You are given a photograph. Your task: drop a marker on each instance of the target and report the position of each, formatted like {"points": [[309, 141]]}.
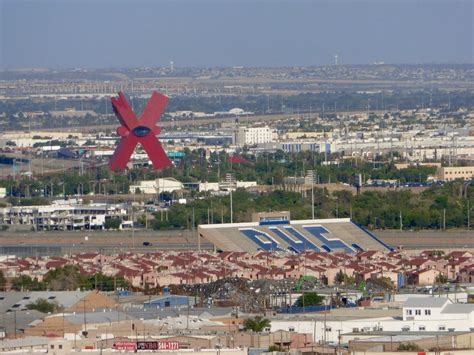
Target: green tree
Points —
{"points": [[408, 347], [274, 347], [3, 282], [43, 306], [102, 282], [66, 278], [383, 282], [441, 279], [256, 324], [343, 278], [309, 299], [112, 223], [26, 283]]}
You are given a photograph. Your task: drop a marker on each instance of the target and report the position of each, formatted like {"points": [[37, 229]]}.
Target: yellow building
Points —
{"points": [[453, 173]]}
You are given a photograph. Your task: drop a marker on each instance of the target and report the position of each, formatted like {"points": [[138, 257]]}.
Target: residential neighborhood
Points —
{"points": [[158, 269]]}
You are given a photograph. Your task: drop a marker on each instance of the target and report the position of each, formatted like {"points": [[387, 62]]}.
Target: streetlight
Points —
{"points": [[218, 346]]}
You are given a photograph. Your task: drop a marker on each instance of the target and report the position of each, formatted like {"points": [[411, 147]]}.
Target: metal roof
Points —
{"points": [[458, 308], [23, 342], [19, 300], [425, 302]]}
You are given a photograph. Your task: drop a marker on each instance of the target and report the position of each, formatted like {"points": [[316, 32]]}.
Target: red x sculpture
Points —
{"points": [[141, 131]]}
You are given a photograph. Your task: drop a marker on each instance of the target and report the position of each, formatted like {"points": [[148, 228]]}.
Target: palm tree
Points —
{"points": [[256, 324]]}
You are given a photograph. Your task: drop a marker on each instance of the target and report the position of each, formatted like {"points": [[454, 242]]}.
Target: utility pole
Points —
{"points": [[444, 219], [14, 321], [312, 197], [468, 215], [192, 231], [85, 321], [325, 318], [401, 221], [231, 208], [187, 315], [133, 228]]}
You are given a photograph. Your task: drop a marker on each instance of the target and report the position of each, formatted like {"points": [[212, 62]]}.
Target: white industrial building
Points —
{"points": [[423, 314], [414, 145], [64, 215], [156, 186], [253, 135]]}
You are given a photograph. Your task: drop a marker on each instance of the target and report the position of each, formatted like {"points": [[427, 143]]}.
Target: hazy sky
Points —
{"points": [[116, 33]]}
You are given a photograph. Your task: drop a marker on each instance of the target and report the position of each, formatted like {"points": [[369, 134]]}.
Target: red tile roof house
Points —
{"points": [[466, 275], [132, 276], [185, 278], [423, 277], [147, 268], [167, 279], [460, 254], [392, 275], [89, 257], [369, 255], [453, 267], [56, 263], [316, 271], [272, 274], [419, 263], [333, 270], [151, 278]]}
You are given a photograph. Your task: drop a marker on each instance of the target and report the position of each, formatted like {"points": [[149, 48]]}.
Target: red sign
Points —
{"points": [[125, 345], [158, 345], [143, 131]]}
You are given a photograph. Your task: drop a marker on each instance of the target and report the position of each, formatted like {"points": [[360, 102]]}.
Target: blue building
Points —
{"points": [[170, 301]]}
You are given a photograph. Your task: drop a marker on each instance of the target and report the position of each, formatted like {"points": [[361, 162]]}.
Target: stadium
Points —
{"points": [[275, 231]]}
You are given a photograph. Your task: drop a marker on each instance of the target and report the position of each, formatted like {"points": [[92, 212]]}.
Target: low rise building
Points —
{"points": [[64, 215], [253, 135], [156, 186], [423, 314], [455, 172]]}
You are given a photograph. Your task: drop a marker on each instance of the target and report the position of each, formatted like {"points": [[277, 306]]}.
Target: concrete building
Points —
{"points": [[157, 186], [455, 173], [72, 112], [253, 135], [424, 314], [316, 146], [208, 186], [166, 301], [64, 215]]}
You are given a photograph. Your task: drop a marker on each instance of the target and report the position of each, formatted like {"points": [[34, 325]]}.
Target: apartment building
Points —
{"points": [[253, 135], [64, 215]]}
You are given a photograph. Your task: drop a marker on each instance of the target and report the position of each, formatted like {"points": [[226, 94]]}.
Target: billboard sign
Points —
{"points": [[158, 345], [125, 345]]}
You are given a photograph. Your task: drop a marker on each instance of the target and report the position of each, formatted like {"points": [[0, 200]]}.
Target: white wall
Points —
{"points": [[387, 324]]}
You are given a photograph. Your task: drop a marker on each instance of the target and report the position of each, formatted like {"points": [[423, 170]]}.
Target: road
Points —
{"points": [[429, 239], [58, 242]]}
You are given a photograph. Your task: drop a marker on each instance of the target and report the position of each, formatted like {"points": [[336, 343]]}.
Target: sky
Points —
{"points": [[204, 33]]}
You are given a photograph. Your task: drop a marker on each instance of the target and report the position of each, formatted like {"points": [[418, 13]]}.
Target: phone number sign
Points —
{"points": [[158, 345]]}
